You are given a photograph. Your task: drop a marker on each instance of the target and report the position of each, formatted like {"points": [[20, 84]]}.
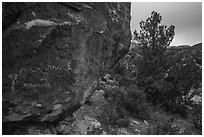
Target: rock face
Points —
{"points": [[53, 53]]}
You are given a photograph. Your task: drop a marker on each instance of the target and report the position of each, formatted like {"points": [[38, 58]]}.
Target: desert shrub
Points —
{"points": [[136, 104], [129, 102], [172, 88], [160, 124], [110, 115], [167, 97], [116, 98]]}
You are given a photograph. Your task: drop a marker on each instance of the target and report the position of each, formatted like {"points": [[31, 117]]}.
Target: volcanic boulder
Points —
{"points": [[54, 52]]}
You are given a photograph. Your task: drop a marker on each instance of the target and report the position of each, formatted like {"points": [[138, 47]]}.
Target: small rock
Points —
{"points": [[146, 122], [135, 122]]}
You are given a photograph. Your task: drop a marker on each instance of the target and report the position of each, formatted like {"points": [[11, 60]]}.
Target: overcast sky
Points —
{"points": [[185, 16]]}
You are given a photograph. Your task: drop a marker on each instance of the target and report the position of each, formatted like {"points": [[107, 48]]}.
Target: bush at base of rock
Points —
{"points": [[128, 102], [136, 104], [161, 124], [110, 115]]}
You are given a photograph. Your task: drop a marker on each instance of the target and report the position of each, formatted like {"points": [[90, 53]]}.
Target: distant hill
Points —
{"points": [[198, 46], [194, 51], [182, 47], [184, 51]]}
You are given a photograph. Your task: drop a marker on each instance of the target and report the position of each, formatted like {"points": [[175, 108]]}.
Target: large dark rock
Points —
{"points": [[53, 52]]}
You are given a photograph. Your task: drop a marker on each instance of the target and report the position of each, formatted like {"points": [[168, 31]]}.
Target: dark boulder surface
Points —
{"points": [[53, 55]]}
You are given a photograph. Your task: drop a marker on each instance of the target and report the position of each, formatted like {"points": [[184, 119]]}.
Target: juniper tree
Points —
{"points": [[154, 39]]}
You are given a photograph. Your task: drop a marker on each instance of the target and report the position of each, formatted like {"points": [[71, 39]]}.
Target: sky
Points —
{"points": [[185, 16]]}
